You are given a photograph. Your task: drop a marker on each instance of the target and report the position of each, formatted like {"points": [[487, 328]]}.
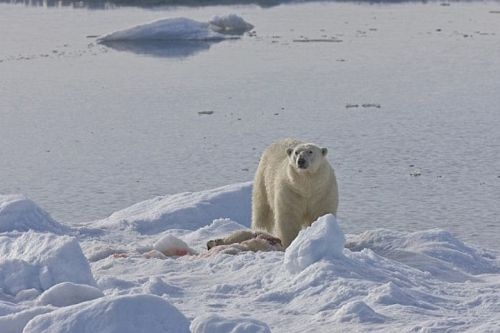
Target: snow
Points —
{"points": [[15, 322], [184, 210], [123, 314], [376, 281], [32, 260], [358, 312], [217, 324], [172, 246], [67, 293], [182, 29], [322, 240], [20, 213], [435, 251]]}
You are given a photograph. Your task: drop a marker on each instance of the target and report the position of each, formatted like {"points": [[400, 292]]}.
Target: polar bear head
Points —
{"points": [[306, 157]]}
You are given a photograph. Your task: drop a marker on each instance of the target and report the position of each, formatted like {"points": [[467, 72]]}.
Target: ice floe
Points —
{"points": [[375, 281], [182, 29]]}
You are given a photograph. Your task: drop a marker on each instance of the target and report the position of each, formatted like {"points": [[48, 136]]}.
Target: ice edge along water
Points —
{"points": [[61, 279]]}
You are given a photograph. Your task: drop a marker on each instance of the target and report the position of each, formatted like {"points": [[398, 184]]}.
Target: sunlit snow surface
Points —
{"points": [[376, 281]]}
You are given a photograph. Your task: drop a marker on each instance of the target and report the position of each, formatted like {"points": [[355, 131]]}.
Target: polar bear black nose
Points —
{"points": [[301, 162]]}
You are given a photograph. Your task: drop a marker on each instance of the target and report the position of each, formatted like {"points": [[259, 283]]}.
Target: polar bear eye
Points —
{"points": [[296, 152], [310, 152]]}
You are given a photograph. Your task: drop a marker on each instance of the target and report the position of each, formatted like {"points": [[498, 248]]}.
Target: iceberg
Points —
{"points": [[182, 29]]}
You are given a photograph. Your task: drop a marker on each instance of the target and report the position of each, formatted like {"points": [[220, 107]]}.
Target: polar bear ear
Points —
{"points": [[324, 151], [289, 151]]}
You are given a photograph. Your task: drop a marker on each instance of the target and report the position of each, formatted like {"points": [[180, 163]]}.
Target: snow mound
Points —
{"points": [[122, 314], [39, 261], [188, 211], [18, 213], [15, 322], [217, 324], [322, 240], [358, 312], [434, 251], [96, 252], [172, 246], [391, 294], [182, 29], [157, 286], [67, 293], [219, 228], [27, 295]]}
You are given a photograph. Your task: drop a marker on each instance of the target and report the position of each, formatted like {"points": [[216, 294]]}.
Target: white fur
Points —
{"points": [[287, 198]]}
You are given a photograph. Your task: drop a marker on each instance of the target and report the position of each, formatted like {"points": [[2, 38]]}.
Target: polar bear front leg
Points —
{"points": [[262, 217], [288, 218], [287, 233]]}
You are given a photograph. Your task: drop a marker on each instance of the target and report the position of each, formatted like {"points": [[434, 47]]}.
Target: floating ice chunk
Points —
{"points": [[182, 29], [322, 240], [122, 314], [217, 324], [18, 213], [173, 29], [41, 260], [230, 24], [67, 293]]}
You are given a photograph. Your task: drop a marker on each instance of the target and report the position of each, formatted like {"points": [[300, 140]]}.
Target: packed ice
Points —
{"points": [[100, 276]]}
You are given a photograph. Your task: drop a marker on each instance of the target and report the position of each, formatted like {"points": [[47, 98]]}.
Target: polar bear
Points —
{"points": [[294, 185]]}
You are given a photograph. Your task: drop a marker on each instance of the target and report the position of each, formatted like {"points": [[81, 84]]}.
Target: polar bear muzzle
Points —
{"points": [[302, 163]]}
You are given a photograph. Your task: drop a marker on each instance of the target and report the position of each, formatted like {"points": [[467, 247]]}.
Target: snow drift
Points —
{"points": [[184, 210], [67, 293], [217, 324], [18, 213], [39, 261], [322, 240], [123, 314]]}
